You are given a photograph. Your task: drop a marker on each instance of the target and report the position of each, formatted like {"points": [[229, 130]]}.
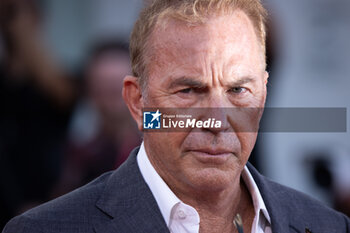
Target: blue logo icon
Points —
{"points": [[151, 120]]}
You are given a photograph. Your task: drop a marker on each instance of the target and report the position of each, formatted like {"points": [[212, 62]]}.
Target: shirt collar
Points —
{"points": [[258, 202], [166, 199]]}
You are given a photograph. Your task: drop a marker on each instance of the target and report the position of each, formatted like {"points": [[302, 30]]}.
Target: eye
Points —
{"points": [[186, 90], [193, 90], [238, 90]]}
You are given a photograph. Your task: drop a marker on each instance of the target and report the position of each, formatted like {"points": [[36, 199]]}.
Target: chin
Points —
{"points": [[212, 179]]}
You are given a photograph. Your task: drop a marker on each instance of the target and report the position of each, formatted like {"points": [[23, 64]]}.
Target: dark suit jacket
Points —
{"points": [[120, 201]]}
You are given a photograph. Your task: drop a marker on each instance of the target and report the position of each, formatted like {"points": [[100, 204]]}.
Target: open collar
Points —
{"points": [[167, 200], [279, 205]]}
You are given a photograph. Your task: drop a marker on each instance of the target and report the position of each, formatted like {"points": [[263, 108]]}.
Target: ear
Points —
{"points": [[265, 80], [266, 77], [132, 95]]}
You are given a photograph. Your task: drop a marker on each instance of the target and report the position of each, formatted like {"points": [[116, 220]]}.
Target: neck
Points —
{"points": [[218, 209], [216, 202]]}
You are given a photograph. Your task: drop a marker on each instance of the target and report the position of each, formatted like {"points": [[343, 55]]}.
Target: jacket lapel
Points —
{"points": [[127, 204], [276, 204]]}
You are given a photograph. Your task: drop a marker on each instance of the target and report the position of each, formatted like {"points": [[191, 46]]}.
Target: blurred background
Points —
{"points": [[63, 121]]}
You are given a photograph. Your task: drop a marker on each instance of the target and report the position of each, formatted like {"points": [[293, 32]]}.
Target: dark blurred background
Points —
{"points": [[63, 121]]}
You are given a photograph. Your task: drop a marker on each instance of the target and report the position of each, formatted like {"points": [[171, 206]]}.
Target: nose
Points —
{"points": [[216, 106]]}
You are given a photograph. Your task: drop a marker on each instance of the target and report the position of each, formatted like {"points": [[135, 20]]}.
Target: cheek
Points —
{"points": [[258, 100], [244, 120], [247, 141], [166, 146]]}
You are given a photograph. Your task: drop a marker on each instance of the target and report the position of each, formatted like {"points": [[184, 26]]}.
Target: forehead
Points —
{"points": [[227, 37]]}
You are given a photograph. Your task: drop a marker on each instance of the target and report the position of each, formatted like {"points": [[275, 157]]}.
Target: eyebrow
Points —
{"points": [[241, 81], [188, 82], [191, 82]]}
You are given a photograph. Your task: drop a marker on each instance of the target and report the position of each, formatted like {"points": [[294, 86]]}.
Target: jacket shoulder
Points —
{"points": [[23, 224], [75, 207], [314, 214], [289, 206]]}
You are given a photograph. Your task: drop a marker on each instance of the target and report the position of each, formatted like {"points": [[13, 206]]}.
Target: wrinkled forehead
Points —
{"points": [[214, 23], [218, 34]]}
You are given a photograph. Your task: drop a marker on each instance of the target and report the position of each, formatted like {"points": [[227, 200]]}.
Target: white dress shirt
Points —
{"points": [[183, 218]]}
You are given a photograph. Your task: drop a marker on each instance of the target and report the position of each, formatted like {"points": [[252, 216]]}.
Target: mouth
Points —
{"points": [[212, 156]]}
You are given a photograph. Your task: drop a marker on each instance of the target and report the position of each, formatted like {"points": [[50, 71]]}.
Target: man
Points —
{"points": [[190, 54]]}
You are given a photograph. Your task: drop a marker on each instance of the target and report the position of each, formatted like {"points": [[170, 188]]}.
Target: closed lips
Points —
{"points": [[212, 152]]}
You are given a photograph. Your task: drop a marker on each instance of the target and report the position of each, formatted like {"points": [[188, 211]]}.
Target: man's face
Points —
{"points": [[219, 64]]}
